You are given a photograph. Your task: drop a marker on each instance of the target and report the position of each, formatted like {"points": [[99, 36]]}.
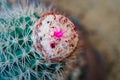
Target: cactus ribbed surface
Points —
{"points": [[19, 60]]}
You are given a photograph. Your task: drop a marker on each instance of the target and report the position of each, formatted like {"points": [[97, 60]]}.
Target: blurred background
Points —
{"points": [[101, 18]]}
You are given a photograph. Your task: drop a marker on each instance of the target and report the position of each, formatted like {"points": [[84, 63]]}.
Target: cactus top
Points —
{"points": [[54, 36]]}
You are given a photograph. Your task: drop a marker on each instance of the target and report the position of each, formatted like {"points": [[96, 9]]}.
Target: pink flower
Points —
{"points": [[58, 33]]}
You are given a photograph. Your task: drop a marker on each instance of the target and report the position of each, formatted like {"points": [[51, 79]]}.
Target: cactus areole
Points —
{"points": [[54, 36]]}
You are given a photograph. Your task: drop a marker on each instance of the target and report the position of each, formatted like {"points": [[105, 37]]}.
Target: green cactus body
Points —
{"points": [[0, 4], [18, 58]]}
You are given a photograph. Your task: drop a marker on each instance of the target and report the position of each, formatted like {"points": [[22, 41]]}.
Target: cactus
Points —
{"points": [[19, 58], [0, 4]]}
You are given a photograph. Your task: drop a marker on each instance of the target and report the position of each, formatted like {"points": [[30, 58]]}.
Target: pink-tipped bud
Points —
{"points": [[55, 37]]}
